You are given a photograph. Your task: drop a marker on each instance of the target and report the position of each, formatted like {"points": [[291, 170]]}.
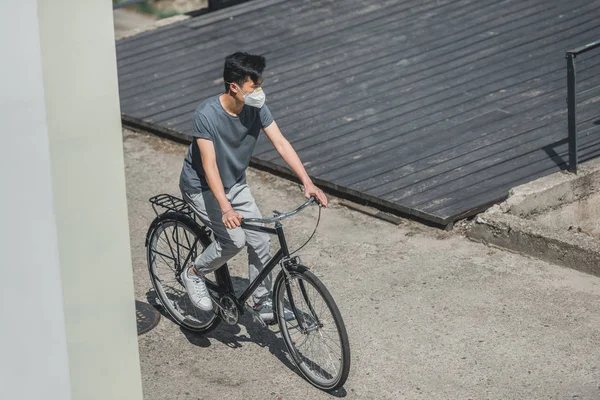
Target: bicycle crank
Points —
{"points": [[229, 311]]}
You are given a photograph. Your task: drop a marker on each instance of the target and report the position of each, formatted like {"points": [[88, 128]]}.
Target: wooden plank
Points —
{"points": [[591, 150], [168, 114], [373, 212], [368, 165], [300, 27], [419, 91], [364, 140], [392, 17], [143, 44], [279, 66], [190, 41], [354, 195], [391, 110], [195, 75], [417, 64], [424, 160], [332, 130], [484, 190], [173, 109], [479, 165], [593, 92], [377, 164], [333, 90], [544, 158], [438, 165], [525, 166], [468, 157]]}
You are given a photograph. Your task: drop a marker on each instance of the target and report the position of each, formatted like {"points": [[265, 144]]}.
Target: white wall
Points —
{"points": [[67, 317], [33, 346]]}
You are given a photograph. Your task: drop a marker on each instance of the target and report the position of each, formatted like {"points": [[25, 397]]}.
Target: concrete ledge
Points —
{"points": [[159, 23], [553, 191], [527, 221], [570, 249]]}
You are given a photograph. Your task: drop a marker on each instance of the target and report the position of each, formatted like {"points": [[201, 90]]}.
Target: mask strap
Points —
{"points": [[238, 87]]}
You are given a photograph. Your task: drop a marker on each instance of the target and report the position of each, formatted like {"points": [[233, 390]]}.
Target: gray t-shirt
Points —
{"points": [[234, 139]]}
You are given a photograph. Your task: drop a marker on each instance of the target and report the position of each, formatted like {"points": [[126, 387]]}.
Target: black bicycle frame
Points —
{"points": [[224, 277]]}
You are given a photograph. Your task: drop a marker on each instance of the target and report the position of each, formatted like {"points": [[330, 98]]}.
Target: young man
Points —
{"points": [[213, 178]]}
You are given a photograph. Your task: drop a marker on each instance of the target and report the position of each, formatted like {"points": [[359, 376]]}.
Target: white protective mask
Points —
{"points": [[256, 98]]}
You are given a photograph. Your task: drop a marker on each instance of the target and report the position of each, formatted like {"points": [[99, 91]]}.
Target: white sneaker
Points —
{"points": [[196, 289]]}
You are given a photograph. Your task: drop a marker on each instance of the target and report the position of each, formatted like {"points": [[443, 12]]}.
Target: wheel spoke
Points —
{"points": [[319, 352], [162, 257], [172, 244]]}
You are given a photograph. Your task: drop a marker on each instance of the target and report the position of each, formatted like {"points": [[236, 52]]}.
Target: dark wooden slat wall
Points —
{"points": [[434, 108]]}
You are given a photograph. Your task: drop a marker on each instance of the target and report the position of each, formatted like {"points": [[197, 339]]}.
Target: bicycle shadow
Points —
{"points": [[232, 336]]}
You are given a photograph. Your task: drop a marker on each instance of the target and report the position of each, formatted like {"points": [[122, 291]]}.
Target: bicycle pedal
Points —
{"points": [[157, 303], [256, 316]]}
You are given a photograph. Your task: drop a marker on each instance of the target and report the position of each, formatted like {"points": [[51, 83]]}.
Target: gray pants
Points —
{"points": [[228, 242]]}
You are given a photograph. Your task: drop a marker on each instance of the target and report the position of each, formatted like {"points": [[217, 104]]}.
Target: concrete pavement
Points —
{"points": [[430, 314]]}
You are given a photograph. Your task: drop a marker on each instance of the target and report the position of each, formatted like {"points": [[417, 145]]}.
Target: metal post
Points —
{"points": [[571, 104]]}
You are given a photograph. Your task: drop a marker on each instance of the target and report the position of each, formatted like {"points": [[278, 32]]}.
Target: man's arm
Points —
{"points": [[231, 219], [287, 152]]}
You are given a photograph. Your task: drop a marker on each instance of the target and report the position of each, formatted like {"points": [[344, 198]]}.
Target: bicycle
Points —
{"points": [[303, 307]]}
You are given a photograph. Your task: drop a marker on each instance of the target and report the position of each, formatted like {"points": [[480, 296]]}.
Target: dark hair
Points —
{"points": [[241, 66]]}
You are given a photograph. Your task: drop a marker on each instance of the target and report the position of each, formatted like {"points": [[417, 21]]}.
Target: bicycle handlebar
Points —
{"points": [[280, 216]]}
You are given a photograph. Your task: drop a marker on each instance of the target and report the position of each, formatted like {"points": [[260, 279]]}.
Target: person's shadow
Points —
{"points": [[230, 334]]}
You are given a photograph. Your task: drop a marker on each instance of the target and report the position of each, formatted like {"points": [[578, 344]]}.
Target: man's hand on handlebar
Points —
{"points": [[231, 219], [312, 190]]}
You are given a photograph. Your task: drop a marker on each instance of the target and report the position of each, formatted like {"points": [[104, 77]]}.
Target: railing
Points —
{"points": [[571, 102]]}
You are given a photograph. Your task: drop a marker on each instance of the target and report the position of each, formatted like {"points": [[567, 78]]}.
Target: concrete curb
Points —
{"points": [[570, 249], [512, 225], [159, 23], [552, 191]]}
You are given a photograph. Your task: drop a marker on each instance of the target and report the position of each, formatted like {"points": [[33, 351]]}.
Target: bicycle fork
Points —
{"points": [[303, 324]]}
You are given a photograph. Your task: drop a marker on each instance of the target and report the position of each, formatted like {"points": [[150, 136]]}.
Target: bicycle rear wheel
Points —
{"points": [[316, 336], [174, 242]]}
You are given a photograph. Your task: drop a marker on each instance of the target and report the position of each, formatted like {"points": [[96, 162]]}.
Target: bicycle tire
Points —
{"points": [[306, 311], [194, 241]]}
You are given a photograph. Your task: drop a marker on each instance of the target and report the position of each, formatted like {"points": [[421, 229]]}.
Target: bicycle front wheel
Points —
{"points": [[312, 329]]}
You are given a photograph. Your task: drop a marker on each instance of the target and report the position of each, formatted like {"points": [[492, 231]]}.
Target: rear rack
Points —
{"points": [[171, 203]]}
